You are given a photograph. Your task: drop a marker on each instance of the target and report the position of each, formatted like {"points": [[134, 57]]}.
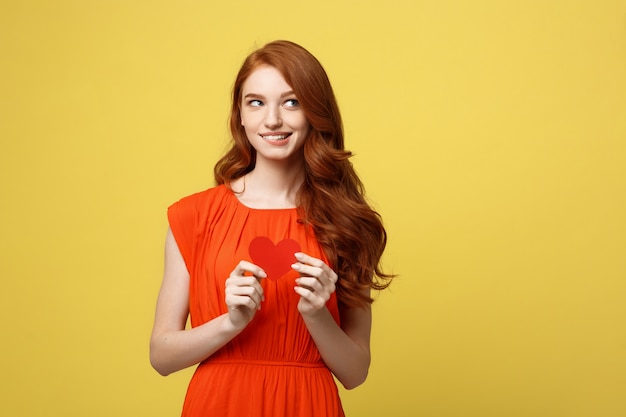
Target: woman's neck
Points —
{"points": [[270, 186]]}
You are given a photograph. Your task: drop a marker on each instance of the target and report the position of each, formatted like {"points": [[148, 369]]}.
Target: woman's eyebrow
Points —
{"points": [[255, 95]]}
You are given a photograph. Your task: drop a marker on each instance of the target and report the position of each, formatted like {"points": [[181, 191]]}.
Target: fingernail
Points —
{"points": [[263, 274], [295, 266], [298, 255]]}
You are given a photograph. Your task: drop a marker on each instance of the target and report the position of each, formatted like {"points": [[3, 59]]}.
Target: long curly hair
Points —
{"points": [[332, 198]]}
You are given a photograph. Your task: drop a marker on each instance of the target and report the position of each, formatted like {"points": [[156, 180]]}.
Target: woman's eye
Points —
{"points": [[255, 103], [292, 102]]}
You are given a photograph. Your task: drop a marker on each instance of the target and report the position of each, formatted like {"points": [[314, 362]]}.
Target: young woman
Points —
{"points": [[275, 264]]}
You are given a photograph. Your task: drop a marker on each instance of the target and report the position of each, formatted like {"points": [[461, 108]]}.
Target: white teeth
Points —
{"points": [[274, 137]]}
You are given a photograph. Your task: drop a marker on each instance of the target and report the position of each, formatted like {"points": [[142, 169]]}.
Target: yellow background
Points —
{"points": [[491, 135]]}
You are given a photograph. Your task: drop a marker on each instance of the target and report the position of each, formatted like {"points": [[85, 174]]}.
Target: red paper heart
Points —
{"points": [[276, 259]]}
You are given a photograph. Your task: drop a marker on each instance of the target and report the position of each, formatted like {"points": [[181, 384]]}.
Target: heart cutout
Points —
{"points": [[276, 260]]}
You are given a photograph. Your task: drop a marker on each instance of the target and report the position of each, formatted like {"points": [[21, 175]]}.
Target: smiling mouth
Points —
{"points": [[276, 137]]}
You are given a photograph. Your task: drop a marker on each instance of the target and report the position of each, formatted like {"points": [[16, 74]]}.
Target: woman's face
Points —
{"points": [[272, 116]]}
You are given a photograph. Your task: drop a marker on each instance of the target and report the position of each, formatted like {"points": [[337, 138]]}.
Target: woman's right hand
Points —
{"points": [[244, 293], [174, 347]]}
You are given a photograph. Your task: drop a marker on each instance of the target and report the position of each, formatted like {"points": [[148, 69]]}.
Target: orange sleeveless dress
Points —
{"points": [[273, 367]]}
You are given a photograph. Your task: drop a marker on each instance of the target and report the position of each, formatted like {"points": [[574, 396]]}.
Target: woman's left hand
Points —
{"points": [[315, 285]]}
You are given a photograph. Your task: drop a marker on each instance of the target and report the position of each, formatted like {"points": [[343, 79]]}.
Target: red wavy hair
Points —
{"points": [[332, 197]]}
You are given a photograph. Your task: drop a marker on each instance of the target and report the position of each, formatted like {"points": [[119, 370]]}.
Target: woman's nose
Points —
{"points": [[272, 117]]}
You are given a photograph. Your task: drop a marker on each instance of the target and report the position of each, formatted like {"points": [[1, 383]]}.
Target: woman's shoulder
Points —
{"points": [[203, 201]]}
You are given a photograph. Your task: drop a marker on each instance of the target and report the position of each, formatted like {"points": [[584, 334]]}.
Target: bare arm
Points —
{"points": [[172, 347], [345, 349]]}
